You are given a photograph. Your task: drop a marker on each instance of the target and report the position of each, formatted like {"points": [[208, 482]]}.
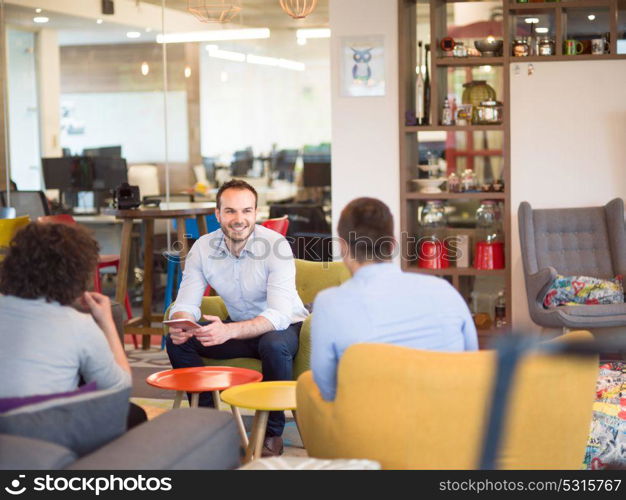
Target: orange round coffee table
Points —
{"points": [[204, 379]]}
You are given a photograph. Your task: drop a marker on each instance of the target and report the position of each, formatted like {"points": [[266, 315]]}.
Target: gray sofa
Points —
{"points": [[186, 438]]}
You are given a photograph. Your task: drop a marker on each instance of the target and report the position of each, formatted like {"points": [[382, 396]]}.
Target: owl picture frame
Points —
{"points": [[363, 66]]}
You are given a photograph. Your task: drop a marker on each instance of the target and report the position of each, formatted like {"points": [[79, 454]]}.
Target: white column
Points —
{"points": [[49, 74], [365, 140]]}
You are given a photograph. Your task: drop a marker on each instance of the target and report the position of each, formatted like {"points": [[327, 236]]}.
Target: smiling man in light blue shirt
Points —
{"points": [[253, 270], [382, 304]]}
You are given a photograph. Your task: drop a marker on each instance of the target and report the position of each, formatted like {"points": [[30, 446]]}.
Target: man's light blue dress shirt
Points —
{"points": [[382, 304], [260, 282]]}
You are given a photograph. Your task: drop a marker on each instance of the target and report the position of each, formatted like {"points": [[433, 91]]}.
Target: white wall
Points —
{"points": [[365, 151], [568, 145], [49, 74], [133, 120], [246, 104]]}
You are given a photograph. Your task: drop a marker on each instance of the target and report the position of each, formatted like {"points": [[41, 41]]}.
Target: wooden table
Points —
{"points": [[142, 325], [206, 379], [262, 397]]}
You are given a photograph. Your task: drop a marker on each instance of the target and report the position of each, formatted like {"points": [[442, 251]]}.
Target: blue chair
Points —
{"points": [[7, 213], [174, 271]]}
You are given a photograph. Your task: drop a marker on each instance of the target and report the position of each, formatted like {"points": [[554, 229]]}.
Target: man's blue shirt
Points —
{"points": [[382, 304]]}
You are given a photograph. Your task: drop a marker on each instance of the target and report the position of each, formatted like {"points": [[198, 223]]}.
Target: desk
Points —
{"points": [[180, 211]]}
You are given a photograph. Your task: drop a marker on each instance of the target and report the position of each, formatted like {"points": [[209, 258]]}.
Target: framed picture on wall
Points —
{"points": [[363, 66]]}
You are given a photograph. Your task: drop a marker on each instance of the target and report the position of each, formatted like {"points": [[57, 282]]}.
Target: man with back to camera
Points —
{"points": [[382, 304], [253, 270]]}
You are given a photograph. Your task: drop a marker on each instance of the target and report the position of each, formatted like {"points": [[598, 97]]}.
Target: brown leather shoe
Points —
{"points": [[272, 446]]}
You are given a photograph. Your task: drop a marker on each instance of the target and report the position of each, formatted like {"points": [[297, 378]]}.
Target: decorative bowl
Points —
{"points": [[489, 48], [429, 185]]}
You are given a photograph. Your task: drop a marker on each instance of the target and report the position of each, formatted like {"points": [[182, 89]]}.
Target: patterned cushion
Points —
{"points": [[579, 290]]}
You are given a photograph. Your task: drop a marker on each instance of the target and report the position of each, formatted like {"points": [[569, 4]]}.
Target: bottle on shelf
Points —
{"points": [[446, 113], [419, 87], [426, 119], [500, 310]]}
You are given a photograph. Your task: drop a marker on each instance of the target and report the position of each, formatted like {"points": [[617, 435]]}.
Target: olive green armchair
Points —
{"points": [[311, 278]]}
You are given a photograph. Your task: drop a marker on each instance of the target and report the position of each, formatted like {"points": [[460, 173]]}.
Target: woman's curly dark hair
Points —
{"points": [[53, 261]]}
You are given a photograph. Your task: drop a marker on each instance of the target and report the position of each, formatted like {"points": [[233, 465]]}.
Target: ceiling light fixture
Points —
{"points": [[298, 9], [133, 34], [214, 11], [145, 68], [591, 17], [99, 21], [38, 11], [40, 19], [187, 72], [228, 55], [542, 30], [531, 20], [303, 35], [215, 35]]}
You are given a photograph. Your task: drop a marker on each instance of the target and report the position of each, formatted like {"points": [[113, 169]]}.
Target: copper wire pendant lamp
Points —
{"points": [[298, 9], [214, 11]]}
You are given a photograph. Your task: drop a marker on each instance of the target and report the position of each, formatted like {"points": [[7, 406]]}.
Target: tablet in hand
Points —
{"points": [[182, 323]]}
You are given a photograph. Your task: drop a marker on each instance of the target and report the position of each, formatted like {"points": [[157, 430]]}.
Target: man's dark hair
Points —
{"points": [[51, 261], [366, 225], [236, 184]]}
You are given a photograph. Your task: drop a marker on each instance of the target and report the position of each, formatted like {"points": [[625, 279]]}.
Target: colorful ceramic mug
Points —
{"points": [[572, 47]]}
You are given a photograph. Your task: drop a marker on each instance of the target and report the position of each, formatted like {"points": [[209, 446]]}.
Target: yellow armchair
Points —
{"points": [[412, 409], [311, 278]]}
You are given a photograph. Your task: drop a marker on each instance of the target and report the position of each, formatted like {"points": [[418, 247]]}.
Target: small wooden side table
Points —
{"points": [[204, 379], [262, 397], [142, 325]]}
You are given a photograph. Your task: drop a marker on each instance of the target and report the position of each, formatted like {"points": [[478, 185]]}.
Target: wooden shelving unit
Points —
{"points": [[439, 68]]}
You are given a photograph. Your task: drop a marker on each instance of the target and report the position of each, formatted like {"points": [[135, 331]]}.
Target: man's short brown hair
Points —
{"points": [[235, 184], [51, 261], [366, 225]]}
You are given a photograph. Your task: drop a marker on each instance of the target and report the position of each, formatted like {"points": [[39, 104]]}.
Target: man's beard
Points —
{"points": [[237, 236]]}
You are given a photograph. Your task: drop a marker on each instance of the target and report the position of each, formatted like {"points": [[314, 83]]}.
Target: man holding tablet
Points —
{"points": [[253, 270]]}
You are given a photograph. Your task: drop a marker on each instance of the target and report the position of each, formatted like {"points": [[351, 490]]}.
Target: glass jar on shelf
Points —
{"points": [[431, 250], [460, 50], [469, 182], [489, 247], [454, 183]]}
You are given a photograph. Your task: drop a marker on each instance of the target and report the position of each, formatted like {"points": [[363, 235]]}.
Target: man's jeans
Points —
{"points": [[275, 349]]}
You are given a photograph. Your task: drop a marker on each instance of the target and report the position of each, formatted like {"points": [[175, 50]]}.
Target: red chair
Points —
{"points": [[280, 225], [103, 261]]}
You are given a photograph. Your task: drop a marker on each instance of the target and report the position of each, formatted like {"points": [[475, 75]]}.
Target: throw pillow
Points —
{"points": [[81, 423], [578, 290]]}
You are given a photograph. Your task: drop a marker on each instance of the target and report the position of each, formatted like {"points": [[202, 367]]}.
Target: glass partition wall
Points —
{"points": [[185, 112]]}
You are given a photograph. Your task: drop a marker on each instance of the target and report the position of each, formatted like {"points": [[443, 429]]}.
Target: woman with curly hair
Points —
{"points": [[53, 332]]}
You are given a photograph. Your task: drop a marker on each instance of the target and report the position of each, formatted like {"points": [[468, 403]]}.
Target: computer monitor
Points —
{"points": [[32, 203], [68, 173], [209, 168], [316, 172], [57, 172], [109, 151], [109, 173]]}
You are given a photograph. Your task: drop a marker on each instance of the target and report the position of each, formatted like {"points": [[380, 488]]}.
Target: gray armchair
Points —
{"points": [[588, 241]]}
